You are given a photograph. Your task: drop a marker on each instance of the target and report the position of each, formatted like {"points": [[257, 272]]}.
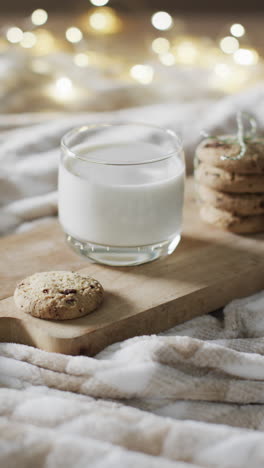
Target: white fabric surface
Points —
{"points": [[191, 397], [29, 145]]}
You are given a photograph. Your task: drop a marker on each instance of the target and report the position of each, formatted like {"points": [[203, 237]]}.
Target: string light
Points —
{"points": [[167, 59], [161, 20], [237, 30], [160, 45], [28, 40], [73, 34], [246, 57], [142, 73], [104, 21], [62, 89], [14, 35], [229, 44], [64, 84], [226, 73], [81, 60], [39, 17], [99, 2]]}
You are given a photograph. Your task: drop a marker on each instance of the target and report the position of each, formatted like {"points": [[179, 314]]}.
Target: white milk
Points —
{"points": [[123, 206]]}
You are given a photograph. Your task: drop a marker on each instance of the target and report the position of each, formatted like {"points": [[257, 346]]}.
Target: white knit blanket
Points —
{"points": [[152, 401], [191, 397]]}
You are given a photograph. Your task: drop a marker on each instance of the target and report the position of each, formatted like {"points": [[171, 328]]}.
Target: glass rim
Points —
{"points": [[76, 130]]}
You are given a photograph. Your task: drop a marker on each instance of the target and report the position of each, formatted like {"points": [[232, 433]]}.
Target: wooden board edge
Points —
{"points": [[93, 342]]}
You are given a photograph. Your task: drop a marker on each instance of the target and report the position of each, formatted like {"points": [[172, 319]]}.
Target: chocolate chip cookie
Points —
{"points": [[58, 295], [244, 204], [226, 181], [231, 222], [210, 151]]}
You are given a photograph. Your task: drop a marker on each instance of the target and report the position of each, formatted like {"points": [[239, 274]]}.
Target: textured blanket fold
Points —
{"points": [[167, 400]]}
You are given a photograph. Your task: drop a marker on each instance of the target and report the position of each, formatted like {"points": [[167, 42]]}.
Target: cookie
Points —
{"points": [[237, 203], [230, 222], [210, 151], [219, 179], [58, 295]]}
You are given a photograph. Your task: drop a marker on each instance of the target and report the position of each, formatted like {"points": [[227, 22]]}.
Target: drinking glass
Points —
{"points": [[121, 191]]}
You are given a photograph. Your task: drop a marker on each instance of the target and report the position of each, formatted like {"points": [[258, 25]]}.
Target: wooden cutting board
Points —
{"points": [[207, 270]]}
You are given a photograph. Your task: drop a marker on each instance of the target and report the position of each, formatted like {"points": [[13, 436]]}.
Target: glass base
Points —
{"points": [[123, 256]]}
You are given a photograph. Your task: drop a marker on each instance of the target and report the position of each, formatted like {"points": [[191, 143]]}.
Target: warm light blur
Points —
{"points": [[99, 2], [39, 17], [40, 66], [73, 34], [161, 20], [229, 44], [246, 57], [160, 45], [46, 42], [237, 30], [222, 70], [63, 88], [229, 79], [104, 21], [142, 73], [81, 60], [28, 40], [167, 59], [14, 35], [186, 52]]}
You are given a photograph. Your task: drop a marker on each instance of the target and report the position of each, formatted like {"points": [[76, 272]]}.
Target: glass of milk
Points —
{"points": [[121, 192]]}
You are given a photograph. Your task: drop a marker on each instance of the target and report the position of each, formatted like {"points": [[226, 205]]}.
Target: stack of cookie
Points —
{"points": [[231, 192]]}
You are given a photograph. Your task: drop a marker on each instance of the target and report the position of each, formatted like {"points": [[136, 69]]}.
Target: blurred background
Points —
{"points": [[99, 55], [172, 5], [187, 65]]}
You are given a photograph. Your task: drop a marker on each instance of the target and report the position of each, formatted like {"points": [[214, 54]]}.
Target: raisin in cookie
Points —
{"points": [[58, 295], [210, 151]]}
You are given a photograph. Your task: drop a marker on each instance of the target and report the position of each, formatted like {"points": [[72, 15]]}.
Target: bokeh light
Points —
{"points": [[104, 21], [39, 17], [160, 45], [14, 35], [63, 88], [246, 57], [28, 40], [237, 30], [229, 44], [46, 43], [142, 73], [167, 59], [73, 34], [99, 2], [186, 52], [81, 60], [161, 20]]}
